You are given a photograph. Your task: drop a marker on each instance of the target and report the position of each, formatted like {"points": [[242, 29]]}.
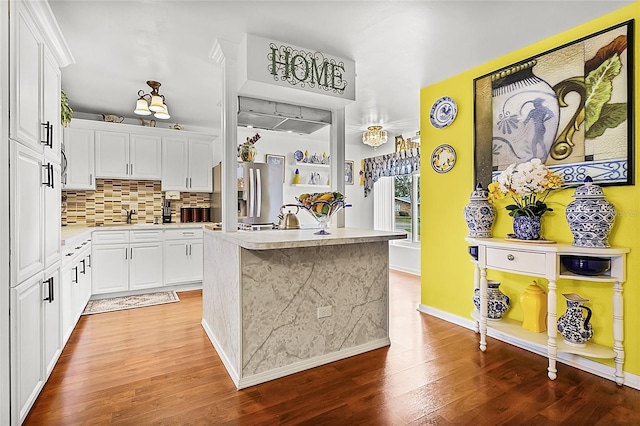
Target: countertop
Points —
{"points": [[291, 238], [73, 234]]}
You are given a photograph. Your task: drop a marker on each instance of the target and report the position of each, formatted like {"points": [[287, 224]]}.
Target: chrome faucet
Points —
{"points": [[129, 214]]}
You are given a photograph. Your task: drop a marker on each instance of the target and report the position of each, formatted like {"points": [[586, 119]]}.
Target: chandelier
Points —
{"points": [[153, 102], [374, 136]]}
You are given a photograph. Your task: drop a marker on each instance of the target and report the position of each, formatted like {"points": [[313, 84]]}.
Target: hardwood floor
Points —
{"points": [[156, 366]]}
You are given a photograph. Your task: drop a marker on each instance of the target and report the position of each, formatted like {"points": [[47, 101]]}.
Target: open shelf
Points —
{"points": [[309, 185], [312, 165]]}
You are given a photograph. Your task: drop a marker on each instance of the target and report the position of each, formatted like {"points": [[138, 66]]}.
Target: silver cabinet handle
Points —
{"points": [[190, 183], [131, 253], [186, 249], [510, 257], [186, 182], [126, 166], [126, 253], [90, 178], [131, 169]]}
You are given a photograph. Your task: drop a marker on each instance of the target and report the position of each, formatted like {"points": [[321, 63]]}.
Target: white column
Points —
{"points": [[225, 53], [336, 149]]}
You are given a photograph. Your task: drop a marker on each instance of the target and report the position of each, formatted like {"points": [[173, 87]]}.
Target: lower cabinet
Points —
{"points": [[75, 285], [126, 260], [36, 340], [183, 253]]}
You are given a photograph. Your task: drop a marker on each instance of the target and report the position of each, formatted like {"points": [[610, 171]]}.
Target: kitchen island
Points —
{"points": [[283, 301]]}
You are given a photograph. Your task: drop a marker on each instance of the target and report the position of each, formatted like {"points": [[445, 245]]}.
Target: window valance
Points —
{"points": [[395, 164]]}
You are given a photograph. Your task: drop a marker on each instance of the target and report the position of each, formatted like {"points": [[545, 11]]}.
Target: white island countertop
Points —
{"points": [[292, 238]]}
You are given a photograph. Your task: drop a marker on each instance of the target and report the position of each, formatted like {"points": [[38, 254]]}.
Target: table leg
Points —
{"points": [[552, 347], [483, 309], [618, 348]]}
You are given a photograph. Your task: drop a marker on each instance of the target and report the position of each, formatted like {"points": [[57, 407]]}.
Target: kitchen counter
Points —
{"points": [[277, 302]]}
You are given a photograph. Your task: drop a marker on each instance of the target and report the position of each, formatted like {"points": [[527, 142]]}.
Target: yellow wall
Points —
{"points": [[447, 273]]}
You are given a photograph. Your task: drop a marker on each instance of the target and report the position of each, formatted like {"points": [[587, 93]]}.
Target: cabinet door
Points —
{"points": [[196, 260], [145, 266], [176, 264], [175, 163], [200, 165], [112, 154], [26, 319], [26, 203], [110, 268], [66, 300], [51, 106], [145, 157], [52, 319], [26, 54], [79, 152], [83, 289], [52, 219]]}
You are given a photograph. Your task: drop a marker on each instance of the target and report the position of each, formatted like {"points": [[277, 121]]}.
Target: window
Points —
{"points": [[406, 205]]}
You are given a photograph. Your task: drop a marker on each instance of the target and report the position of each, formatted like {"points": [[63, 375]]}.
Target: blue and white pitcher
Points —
{"points": [[573, 326]]}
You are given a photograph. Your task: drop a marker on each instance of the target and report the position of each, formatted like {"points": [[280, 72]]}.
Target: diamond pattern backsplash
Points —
{"points": [[105, 205]]}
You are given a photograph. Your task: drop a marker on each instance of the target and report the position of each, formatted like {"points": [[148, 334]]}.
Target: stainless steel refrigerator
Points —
{"points": [[259, 188]]}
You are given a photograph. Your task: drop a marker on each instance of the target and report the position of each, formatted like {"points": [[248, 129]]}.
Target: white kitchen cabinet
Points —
{"points": [[26, 345], [126, 260], [52, 314], [75, 283], [187, 164], [27, 213], [80, 157], [127, 156], [51, 107], [52, 217], [183, 253]]}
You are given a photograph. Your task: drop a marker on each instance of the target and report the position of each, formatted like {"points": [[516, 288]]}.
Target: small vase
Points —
{"points": [[247, 152], [572, 325], [534, 308], [479, 213], [590, 216], [497, 301], [527, 227]]}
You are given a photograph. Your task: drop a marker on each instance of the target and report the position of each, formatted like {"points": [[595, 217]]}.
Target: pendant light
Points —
{"points": [[153, 102]]}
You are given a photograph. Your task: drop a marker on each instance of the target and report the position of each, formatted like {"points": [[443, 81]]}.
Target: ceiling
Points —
{"points": [[398, 47]]}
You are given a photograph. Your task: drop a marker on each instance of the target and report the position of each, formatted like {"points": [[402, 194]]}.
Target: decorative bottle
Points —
{"points": [[534, 308], [296, 177], [479, 213], [497, 301], [590, 216]]}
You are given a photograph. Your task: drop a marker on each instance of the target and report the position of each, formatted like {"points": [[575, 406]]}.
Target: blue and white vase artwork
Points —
{"points": [[479, 213], [526, 116], [527, 227], [572, 325], [497, 302], [590, 216]]}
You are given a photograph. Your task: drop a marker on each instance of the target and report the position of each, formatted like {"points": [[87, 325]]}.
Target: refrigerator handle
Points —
{"points": [[251, 192], [258, 193]]}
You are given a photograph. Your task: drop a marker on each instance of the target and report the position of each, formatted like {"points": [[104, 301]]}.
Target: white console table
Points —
{"points": [[544, 260]]}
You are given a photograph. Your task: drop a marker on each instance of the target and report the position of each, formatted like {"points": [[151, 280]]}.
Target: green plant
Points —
{"points": [[66, 113]]}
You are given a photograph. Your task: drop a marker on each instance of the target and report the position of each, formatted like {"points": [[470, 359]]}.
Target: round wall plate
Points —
{"points": [[443, 112], [443, 158]]}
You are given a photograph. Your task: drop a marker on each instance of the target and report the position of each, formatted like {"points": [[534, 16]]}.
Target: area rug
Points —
{"points": [[129, 302]]}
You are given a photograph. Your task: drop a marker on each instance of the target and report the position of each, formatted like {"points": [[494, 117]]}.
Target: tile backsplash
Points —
{"points": [[105, 205]]}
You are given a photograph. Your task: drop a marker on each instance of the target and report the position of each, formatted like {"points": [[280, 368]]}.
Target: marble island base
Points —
{"points": [[260, 304]]}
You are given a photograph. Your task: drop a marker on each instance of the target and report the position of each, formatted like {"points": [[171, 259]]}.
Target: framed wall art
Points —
{"points": [[348, 172], [572, 107], [277, 159]]}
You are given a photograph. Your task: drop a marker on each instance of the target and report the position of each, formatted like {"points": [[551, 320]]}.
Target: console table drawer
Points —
{"points": [[517, 261]]}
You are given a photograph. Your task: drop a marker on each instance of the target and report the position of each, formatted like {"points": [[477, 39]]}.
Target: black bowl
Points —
{"points": [[473, 251], [584, 265]]}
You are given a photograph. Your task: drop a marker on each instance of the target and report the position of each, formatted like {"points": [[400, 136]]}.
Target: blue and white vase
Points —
{"points": [[479, 213], [527, 227], [590, 216], [497, 302], [572, 325]]}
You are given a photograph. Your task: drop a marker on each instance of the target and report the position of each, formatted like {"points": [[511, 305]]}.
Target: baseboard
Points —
{"points": [[407, 270], [581, 363], [317, 361], [177, 288], [231, 371]]}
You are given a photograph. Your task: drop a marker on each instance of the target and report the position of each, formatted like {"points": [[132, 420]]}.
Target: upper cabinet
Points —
{"points": [[187, 164], [128, 156], [37, 53], [79, 159]]}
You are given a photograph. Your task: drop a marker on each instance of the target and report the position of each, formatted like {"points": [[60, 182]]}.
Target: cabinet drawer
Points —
{"points": [[110, 237], [145, 236], [182, 234], [517, 261]]}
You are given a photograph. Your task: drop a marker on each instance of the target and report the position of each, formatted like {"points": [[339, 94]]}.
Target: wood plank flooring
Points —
{"points": [[155, 366]]}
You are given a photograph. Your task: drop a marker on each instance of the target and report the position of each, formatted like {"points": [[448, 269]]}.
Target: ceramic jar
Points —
{"points": [[479, 213], [590, 216], [527, 227], [526, 114], [534, 308], [247, 152], [497, 301], [572, 325]]}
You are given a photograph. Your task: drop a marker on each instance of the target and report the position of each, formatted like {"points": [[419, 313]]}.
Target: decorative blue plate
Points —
{"points": [[443, 112], [298, 155], [443, 158]]}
